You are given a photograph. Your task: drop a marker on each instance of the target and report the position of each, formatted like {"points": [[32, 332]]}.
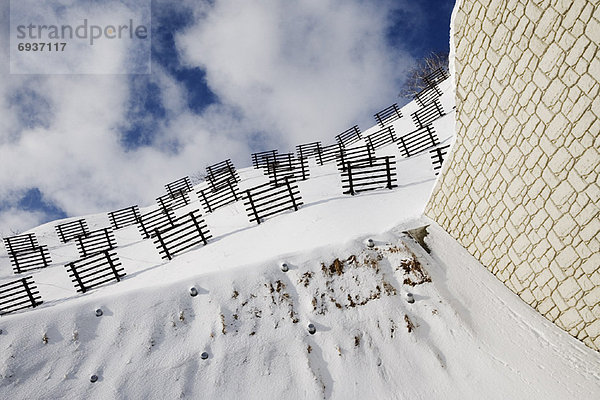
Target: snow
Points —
{"points": [[469, 336]]}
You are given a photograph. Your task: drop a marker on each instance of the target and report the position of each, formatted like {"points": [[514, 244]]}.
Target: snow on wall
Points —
{"points": [[521, 189]]}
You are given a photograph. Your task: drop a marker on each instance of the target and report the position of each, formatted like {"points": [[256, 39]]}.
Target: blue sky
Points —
{"points": [[228, 78]]}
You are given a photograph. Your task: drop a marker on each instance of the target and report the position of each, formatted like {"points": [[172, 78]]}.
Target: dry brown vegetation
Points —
{"points": [[409, 324]]}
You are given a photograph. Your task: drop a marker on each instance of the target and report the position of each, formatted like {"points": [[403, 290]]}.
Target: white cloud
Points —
{"points": [[291, 71], [299, 71]]}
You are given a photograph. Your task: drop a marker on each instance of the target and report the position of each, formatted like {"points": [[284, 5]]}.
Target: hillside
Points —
{"points": [[465, 336]]}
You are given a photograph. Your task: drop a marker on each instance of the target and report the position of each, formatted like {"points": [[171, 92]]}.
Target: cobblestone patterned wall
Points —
{"points": [[521, 190]]}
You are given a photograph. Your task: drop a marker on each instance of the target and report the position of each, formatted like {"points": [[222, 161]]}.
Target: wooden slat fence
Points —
{"points": [[220, 175], [124, 217], [388, 115], [429, 113], [70, 230], [212, 200], [308, 150], [96, 242], [260, 159], [19, 295], [330, 153], [349, 136], [438, 155], [361, 154], [265, 200], [437, 76], [188, 231], [27, 260], [417, 141], [360, 176], [95, 270], [21, 242], [286, 166], [381, 138], [174, 203], [156, 219], [176, 188], [26, 254], [427, 95]]}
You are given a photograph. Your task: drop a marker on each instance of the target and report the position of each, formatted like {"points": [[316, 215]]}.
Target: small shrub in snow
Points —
{"points": [[336, 268], [416, 273], [223, 325], [409, 324], [305, 279]]}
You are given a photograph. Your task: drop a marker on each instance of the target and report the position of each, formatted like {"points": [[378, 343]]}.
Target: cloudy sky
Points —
{"points": [[228, 77]]}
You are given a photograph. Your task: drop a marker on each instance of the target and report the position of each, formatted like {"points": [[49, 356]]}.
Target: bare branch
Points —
{"points": [[415, 82], [198, 177]]}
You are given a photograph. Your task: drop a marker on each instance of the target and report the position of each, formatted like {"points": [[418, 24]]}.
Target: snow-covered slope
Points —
{"points": [[465, 336]]}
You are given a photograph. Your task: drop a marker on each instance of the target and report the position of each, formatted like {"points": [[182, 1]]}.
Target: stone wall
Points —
{"points": [[520, 190]]}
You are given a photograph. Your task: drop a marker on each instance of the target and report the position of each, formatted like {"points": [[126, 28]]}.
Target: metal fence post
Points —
{"points": [[405, 148], [349, 169], [206, 201], [389, 172], [112, 266], [162, 243], [287, 181], [193, 217], [252, 206], [28, 290], [77, 277]]}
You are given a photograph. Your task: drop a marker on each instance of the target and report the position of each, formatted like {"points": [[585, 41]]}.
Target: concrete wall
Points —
{"points": [[520, 190]]}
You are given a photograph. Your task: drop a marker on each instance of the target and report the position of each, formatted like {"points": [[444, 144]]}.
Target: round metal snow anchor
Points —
{"points": [[285, 267], [99, 312], [370, 243], [311, 329], [193, 292], [204, 355], [410, 298], [94, 378]]}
